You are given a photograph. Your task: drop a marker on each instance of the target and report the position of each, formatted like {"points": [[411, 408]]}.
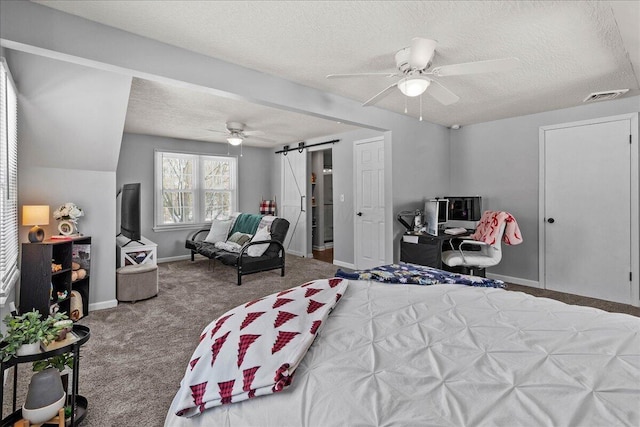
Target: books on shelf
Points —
{"points": [[60, 237]]}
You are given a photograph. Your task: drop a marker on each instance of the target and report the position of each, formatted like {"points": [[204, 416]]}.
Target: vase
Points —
{"points": [[27, 349], [66, 227]]}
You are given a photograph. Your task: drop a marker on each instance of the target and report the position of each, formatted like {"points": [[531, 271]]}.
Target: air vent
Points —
{"points": [[605, 96]]}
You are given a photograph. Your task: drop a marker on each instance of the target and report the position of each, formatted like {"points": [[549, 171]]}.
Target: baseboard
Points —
{"points": [[515, 280], [344, 264], [102, 305], [174, 258]]}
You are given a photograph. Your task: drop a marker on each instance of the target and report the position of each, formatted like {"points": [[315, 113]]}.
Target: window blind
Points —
{"points": [[8, 183]]}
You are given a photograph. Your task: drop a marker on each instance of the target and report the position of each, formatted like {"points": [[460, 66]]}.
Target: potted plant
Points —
{"points": [[60, 362], [26, 331]]}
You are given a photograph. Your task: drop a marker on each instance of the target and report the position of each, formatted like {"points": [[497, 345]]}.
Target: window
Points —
{"points": [[9, 272], [192, 189]]}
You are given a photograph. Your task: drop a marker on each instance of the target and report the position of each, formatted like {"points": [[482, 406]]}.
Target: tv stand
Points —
{"points": [[132, 252]]}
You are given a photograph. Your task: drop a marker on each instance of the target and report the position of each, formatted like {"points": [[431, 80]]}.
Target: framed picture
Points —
{"points": [[65, 227]]}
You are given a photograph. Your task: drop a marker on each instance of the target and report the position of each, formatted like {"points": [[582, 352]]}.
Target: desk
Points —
{"points": [[425, 249]]}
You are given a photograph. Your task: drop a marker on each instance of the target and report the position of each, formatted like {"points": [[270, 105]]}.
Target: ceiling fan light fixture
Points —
{"points": [[413, 87], [234, 140]]}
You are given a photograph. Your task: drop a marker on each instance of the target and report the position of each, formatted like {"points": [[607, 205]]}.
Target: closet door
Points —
{"points": [[587, 209], [294, 201], [369, 220]]}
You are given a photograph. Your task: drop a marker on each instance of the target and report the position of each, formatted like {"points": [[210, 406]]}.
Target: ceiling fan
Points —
{"points": [[236, 133], [417, 76]]}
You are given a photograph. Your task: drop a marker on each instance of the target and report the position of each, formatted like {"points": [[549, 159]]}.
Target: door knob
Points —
{"points": [[359, 214], [551, 220]]}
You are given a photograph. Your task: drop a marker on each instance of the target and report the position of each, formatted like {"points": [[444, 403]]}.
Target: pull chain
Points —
{"points": [[405, 104], [420, 107]]}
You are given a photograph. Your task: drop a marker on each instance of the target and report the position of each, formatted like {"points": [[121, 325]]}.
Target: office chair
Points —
{"points": [[483, 248]]}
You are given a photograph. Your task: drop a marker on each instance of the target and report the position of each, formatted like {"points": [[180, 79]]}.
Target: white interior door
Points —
{"points": [[369, 219], [294, 201], [587, 210]]}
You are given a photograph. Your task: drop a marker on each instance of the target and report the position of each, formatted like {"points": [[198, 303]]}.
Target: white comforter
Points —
{"points": [[451, 355]]}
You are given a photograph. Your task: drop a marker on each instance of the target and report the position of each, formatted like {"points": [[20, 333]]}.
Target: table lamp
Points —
{"points": [[36, 216]]}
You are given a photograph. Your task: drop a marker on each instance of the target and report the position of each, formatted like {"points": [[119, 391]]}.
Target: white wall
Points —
{"points": [[70, 122], [136, 164], [499, 161]]}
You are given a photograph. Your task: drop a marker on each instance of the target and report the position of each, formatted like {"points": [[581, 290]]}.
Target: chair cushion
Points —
{"points": [[279, 229], [474, 259]]}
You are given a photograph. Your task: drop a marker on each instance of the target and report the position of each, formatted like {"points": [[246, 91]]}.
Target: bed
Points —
{"points": [[452, 355]]}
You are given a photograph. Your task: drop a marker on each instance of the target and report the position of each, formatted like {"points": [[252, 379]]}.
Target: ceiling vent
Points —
{"points": [[605, 96]]}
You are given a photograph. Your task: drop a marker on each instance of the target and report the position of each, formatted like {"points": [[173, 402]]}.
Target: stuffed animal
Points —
{"points": [[76, 306], [78, 274]]}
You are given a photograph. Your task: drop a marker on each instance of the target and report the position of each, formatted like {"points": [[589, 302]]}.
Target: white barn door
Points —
{"points": [[587, 209], [369, 219], [294, 201]]}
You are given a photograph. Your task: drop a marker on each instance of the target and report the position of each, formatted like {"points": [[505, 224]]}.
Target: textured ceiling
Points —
{"points": [[175, 112], [568, 49]]}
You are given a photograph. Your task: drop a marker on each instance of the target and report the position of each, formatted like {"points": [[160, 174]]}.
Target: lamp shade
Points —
{"points": [[35, 215], [234, 140], [413, 87]]}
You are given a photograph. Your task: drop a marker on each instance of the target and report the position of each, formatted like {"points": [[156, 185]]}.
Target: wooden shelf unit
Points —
{"points": [[39, 285]]}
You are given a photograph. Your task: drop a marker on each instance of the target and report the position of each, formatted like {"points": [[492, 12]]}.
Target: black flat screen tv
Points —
{"points": [[130, 211]]}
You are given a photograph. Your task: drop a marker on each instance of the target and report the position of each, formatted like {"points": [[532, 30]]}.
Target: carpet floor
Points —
{"points": [[132, 365]]}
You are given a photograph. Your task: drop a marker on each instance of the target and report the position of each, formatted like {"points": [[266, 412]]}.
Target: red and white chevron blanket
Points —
{"points": [[489, 228], [255, 348]]}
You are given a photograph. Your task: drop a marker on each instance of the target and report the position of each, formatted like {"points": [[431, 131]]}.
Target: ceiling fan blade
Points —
{"points": [[259, 138], [217, 130], [380, 95], [421, 52], [341, 76], [505, 64], [442, 94], [253, 133]]}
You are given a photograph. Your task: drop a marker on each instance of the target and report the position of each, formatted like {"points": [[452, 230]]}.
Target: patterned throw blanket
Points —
{"points": [[255, 348], [412, 274]]}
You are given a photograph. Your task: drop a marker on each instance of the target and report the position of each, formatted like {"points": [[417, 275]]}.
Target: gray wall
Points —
{"points": [[499, 161], [70, 122], [136, 164]]}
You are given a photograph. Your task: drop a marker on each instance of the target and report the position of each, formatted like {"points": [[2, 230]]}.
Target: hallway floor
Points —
{"points": [[325, 255]]}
